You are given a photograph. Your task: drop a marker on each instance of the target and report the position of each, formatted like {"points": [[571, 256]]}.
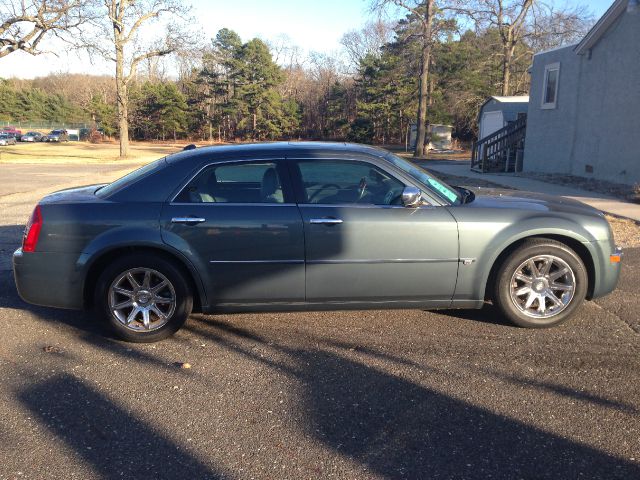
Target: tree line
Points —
{"points": [[419, 62]]}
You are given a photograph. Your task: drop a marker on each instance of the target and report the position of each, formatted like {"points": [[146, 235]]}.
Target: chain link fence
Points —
{"points": [[44, 125]]}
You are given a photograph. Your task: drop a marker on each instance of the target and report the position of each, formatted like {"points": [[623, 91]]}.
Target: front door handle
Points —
{"points": [[188, 220], [325, 221]]}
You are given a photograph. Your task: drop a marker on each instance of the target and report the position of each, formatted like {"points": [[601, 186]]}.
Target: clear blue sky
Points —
{"points": [[313, 25]]}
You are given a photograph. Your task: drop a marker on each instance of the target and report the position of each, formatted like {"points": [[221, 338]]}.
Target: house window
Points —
{"points": [[550, 87]]}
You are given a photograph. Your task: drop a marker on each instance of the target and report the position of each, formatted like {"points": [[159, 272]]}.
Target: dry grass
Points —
{"points": [[626, 232], [464, 155], [84, 152]]}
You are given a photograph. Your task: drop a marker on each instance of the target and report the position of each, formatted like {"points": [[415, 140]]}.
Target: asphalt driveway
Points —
{"points": [[365, 394]]}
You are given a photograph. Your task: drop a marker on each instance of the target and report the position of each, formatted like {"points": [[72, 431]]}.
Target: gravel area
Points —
{"points": [[625, 231], [618, 190]]}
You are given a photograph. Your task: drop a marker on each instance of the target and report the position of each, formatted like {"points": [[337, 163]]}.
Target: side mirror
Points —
{"points": [[411, 197]]}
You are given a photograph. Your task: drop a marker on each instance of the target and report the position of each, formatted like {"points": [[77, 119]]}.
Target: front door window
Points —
{"points": [[329, 182]]}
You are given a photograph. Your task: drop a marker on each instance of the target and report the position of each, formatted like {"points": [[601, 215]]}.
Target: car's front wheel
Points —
{"points": [[144, 297], [540, 284]]}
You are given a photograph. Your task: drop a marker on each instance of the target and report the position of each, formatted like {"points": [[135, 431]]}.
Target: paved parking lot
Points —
{"points": [[366, 394]]}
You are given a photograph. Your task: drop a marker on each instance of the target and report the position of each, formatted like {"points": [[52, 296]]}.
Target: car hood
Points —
{"points": [[521, 200], [76, 194]]}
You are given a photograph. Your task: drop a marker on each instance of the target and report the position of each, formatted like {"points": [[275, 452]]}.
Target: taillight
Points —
{"points": [[32, 231]]}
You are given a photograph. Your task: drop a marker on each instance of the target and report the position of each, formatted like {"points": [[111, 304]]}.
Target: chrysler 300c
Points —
{"points": [[286, 226]]}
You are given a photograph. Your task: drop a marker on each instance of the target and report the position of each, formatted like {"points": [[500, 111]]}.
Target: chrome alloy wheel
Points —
{"points": [[542, 286], [142, 299]]}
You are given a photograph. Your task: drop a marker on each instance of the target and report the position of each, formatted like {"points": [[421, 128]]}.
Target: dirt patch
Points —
{"points": [[619, 190]]}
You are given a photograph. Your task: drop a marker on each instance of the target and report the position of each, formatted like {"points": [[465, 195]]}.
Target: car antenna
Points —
{"points": [[191, 146]]}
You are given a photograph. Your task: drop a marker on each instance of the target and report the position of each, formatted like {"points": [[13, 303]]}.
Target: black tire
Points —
{"points": [[164, 268], [515, 311]]}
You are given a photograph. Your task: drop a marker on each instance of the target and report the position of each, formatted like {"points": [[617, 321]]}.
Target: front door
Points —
{"points": [[239, 225], [363, 245]]}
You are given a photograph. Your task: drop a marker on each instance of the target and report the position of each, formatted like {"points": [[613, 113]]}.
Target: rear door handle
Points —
{"points": [[325, 221], [188, 220]]}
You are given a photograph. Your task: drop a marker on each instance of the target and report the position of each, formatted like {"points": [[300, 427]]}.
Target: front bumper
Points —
{"points": [[49, 279], [607, 272]]}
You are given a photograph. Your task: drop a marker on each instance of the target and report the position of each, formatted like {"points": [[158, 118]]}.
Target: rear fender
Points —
{"points": [[135, 238]]}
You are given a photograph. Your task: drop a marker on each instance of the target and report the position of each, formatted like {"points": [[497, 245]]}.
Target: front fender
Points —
{"points": [[486, 245]]}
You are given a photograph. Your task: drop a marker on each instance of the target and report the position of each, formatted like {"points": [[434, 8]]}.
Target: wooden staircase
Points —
{"points": [[499, 152]]}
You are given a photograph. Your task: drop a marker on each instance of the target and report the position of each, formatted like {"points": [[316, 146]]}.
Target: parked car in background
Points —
{"points": [[12, 131], [32, 137], [306, 226], [6, 139], [57, 136]]}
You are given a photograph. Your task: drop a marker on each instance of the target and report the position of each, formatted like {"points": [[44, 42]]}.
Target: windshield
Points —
{"points": [[129, 178], [435, 185]]}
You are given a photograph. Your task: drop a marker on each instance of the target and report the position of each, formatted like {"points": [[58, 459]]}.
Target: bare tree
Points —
{"points": [[123, 34], [532, 24], [425, 13], [366, 41], [552, 27], [23, 24], [509, 18]]}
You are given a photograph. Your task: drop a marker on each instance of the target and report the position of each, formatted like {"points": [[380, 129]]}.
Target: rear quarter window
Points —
{"points": [[130, 178]]}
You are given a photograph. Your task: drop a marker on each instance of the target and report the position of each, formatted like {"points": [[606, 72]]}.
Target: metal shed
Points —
{"points": [[497, 112]]}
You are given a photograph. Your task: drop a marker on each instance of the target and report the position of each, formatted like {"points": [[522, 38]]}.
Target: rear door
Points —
{"points": [[238, 222], [363, 245]]}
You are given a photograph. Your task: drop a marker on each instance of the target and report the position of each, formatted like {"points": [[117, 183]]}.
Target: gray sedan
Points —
{"points": [[32, 137], [7, 139], [295, 226]]}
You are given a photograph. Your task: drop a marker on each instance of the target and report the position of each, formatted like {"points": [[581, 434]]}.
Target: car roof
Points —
{"points": [[273, 148]]}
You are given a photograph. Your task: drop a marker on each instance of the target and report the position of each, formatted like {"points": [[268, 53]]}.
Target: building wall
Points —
{"points": [[595, 129], [549, 138]]}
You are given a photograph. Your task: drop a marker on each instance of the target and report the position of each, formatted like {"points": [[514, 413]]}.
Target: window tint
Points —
{"points": [[130, 178], [247, 182], [435, 185], [339, 182]]}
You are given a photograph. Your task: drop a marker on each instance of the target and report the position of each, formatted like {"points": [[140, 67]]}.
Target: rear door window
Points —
{"points": [[239, 182]]}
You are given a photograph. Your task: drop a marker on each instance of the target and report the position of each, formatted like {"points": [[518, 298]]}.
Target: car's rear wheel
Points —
{"points": [[144, 297], [540, 284]]}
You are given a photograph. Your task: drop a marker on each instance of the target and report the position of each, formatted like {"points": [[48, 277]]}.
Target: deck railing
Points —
{"points": [[498, 152]]}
